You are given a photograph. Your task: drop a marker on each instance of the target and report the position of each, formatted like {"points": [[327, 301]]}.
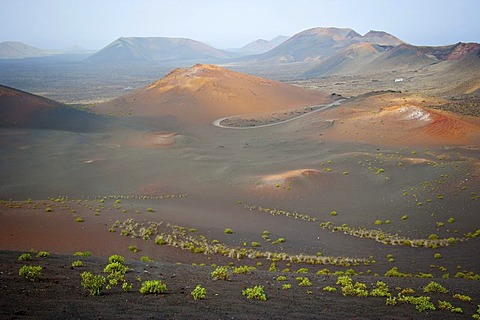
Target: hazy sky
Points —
{"points": [[92, 24]]}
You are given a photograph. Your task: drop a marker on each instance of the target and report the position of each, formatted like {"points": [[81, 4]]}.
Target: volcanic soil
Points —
{"points": [[376, 182]]}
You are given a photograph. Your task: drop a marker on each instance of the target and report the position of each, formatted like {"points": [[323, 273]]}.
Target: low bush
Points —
{"points": [[221, 273], [25, 257], [116, 258], [199, 292], [31, 273], [43, 254], [77, 263], [255, 293], [93, 283], [153, 287], [434, 287], [243, 269], [329, 289]]}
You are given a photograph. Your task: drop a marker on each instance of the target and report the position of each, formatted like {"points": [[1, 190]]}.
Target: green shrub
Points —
{"points": [[286, 286], [330, 289], [221, 273], [116, 258], [82, 254], [434, 287], [421, 303], [437, 255], [116, 273], [146, 259], [344, 281], [333, 213], [255, 293], [31, 273], [444, 305], [281, 278], [302, 270], [462, 297], [228, 231], [79, 219], [25, 257], [153, 287], [133, 248], [380, 290], [273, 267], [243, 269], [305, 282], [359, 289], [476, 316], [199, 293], [126, 286], [77, 263], [150, 210], [43, 254], [94, 284]]}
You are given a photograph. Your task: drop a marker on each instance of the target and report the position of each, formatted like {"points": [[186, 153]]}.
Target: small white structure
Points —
{"points": [[399, 80]]}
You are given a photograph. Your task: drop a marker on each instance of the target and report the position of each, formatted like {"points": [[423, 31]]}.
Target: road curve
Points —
{"points": [[216, 123]]}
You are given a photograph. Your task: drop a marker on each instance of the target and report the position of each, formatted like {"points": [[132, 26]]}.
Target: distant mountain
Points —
{"points": [[21, 109], [204, 93], [311, 45], [366, 58], [18, 50], [261, 46], [156, 49], [76, 50], [381, 38], [351, 60]]}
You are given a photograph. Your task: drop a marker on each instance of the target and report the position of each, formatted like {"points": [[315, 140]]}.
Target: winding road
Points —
{"points": [[217, 122]]}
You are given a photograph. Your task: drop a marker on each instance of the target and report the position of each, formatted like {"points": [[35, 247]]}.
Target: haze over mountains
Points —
{"points": [[315, 52]]}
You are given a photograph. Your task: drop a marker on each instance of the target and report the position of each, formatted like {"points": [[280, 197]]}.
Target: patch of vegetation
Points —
{"points": [[116, 258], [421, 303], [380, 290], [77, 264], [199, 293], [281, 278], [82, 254], [243, 270], [133, 248], [302, 270], [434, 287], [228, 231], [462, 297], [116, 273], [330, 289], [146, 259], [93, 283], [153, 287], [79, 219], [31, 273], [255, 293], [25, 257], [221, 273], [127, 286], [305, 282], [286, 286], [467, 275], [43, 254]]}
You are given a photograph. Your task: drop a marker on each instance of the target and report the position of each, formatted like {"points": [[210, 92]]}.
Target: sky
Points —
{"points": [[93, 24]]}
